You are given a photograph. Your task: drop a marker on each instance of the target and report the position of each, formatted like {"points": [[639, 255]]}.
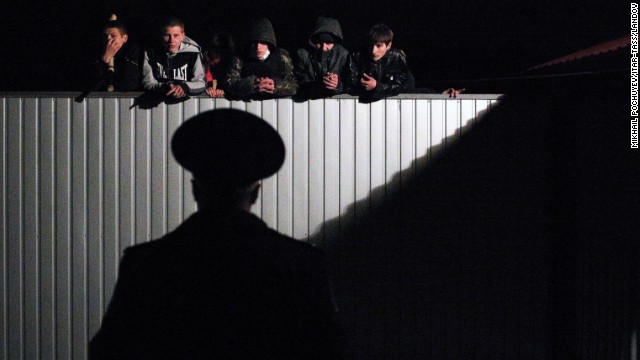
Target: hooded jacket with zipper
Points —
{"points": [[391, 73], [243, 71], [312, 66], [183, 68]]}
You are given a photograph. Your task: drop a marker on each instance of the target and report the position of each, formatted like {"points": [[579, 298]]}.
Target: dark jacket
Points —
{"points": [[127, 70], [243, 71], [183, 68], [220, 286], [312, 65], [391, 73]]}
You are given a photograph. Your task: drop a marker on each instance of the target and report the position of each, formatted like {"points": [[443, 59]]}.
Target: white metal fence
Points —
{"points": [[82, 181]]}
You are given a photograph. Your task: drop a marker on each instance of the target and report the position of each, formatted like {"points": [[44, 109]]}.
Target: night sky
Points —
{"points": [[46, 44]]}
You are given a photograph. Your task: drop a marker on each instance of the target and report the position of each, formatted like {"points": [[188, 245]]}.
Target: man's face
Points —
{"points": [[113, 34], [324, 46], [260, 49], [379, 50], [172, 38]]}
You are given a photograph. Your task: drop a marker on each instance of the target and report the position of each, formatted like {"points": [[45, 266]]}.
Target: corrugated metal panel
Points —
{"points": [[82, 181]]}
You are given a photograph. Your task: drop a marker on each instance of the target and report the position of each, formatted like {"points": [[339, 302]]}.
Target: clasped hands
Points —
{"points": [[176, 91], [453, 93], [330, 81], [264, 85]]}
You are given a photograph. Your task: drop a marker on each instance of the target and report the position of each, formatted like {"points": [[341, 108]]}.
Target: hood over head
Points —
{"points": [[262, 31], [327, 25], [189, 45]]}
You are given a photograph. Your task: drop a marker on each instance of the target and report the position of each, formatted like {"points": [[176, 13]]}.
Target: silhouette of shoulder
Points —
{"points": [[230, 234]]}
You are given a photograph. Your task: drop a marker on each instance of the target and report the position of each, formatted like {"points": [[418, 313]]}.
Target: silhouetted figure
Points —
{"points": [[222, 285]]}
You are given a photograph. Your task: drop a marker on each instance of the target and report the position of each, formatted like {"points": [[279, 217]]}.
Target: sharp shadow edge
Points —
{"points": [[491, 248]]}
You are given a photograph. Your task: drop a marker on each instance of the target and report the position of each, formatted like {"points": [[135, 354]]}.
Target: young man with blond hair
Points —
{"points": [[176, 69]]}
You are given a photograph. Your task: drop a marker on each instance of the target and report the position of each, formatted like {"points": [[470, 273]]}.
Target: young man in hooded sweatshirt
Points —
{"points": [[265, 70], [176, 70], [321, 72]]}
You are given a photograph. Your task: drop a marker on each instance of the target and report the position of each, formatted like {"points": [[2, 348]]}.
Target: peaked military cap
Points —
{"points": [[229, 147]]}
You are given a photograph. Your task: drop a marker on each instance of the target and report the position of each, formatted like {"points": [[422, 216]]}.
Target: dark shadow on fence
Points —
{"points": [[517, 242]]}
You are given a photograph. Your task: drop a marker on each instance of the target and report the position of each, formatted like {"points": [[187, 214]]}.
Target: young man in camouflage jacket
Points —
{"points": [[265, 71]]}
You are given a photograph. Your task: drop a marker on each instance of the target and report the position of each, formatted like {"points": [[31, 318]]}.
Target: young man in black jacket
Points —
{"points": [[321, 72], [381, 71], [127, 60]]}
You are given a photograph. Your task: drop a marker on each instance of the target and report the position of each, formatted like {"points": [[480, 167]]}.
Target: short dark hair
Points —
{"points": [[117, 24], [171, 22], [380, 33]]}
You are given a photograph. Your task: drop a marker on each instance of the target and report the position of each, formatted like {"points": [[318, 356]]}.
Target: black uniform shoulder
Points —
{"points": [[151, 249], [247, 230], [295, 245], [279, 247], [298, 254]]}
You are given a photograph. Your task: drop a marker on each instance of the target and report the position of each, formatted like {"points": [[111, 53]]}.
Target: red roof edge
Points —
{"points": [[591, 51]]}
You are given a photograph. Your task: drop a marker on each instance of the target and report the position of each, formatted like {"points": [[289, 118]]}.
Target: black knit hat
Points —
{"points": [[228, 147]]}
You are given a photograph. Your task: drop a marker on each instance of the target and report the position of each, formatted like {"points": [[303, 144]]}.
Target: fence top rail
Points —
{"points": [[68, 94]]}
